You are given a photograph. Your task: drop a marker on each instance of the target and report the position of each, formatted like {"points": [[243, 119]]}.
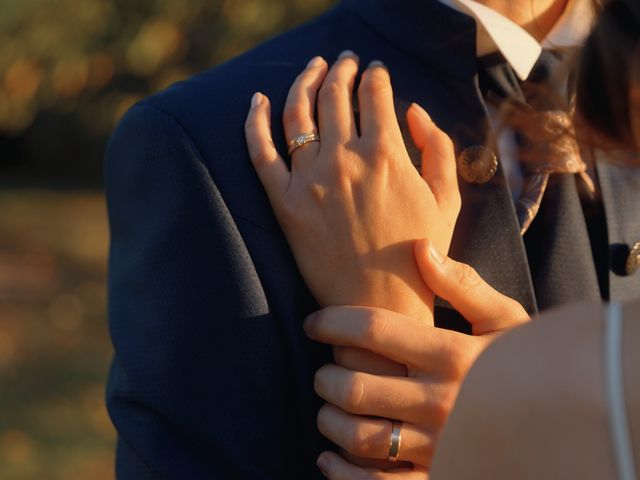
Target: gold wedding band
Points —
{"points": [[301, 140], [394, 443]]}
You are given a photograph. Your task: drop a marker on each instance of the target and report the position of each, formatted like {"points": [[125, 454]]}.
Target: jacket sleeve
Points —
{"points": [[199, 383]]}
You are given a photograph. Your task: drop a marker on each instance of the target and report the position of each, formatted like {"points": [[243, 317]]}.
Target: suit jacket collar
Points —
{"points": [[425, 30]]}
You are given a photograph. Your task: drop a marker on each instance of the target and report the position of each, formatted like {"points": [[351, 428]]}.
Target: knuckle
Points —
{"points": [[343, 175], [522, 314], [294, 114], [262, 157], [381, 151], [441, 412], [330, 91], [467, 277], [375, 83], [302, 80], [250, 123], [369, 148], [318, 192], [519, 314], [341, 356], [354, 394], [358, 441], [461, 366], [455, 355], [376, 149], [387, 150], [442, 140], [449, 399], [441, 405], [446, 140], [322, 418], [465, 356], [318, 378], [511, 311], [374, 326]]}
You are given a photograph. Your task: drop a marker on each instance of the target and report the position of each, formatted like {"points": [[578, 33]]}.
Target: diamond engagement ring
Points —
{"points": [[301, 140]]}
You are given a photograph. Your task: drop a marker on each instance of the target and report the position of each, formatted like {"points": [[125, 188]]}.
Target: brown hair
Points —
{"points": [[608, 78]]}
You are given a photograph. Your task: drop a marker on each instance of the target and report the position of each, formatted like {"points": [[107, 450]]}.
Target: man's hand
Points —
{"points": [[437, 360], [353, 204]]}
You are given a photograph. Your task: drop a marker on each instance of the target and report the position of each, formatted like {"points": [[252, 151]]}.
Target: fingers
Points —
{"points": [[375, 96], [438, 159], [298, 113], [401, 338], [372, 463], [484, 307], [269, 165], [378, 118], [369, 437], [335, 101], [361, 360], [413, 400], [334, 467]]}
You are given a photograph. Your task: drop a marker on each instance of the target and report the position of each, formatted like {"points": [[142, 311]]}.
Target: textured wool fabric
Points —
{"points": [[620, 186], [559, 247], [213, 376]]}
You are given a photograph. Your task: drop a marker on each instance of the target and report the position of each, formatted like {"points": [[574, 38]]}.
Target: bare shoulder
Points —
{"points": [[533, 403]]}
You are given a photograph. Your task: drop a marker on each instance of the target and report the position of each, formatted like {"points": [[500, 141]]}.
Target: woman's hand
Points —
{"points": [[360, 404], [353, 204]]}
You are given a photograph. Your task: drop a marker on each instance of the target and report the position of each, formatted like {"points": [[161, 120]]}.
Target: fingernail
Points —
{"points": [[377, 63], [422, 111], [256, 100], [315, 62], [323, 464], [347, 54], [435, 254]]}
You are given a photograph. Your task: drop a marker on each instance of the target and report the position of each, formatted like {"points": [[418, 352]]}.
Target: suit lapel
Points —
{"points": [[487, 234]]}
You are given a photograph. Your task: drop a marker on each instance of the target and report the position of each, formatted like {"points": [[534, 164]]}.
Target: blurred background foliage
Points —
{"points": [[69, 69]]}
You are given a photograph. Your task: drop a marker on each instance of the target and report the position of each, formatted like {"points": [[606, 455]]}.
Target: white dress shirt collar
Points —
{"points": [[519, 48]]}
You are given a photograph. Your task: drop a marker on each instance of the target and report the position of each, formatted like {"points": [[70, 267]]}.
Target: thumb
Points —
{"points": [[487, 310]]}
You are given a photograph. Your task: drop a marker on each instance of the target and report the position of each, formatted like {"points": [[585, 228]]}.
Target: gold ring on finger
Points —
{"points": [[303, 139]]}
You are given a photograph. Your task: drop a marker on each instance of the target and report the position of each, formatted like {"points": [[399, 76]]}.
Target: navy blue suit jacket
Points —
{"points": [[212, 375]]}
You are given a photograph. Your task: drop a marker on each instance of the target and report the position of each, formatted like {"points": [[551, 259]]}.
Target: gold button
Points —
{"points": [[633, 260], [477, 164]]}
